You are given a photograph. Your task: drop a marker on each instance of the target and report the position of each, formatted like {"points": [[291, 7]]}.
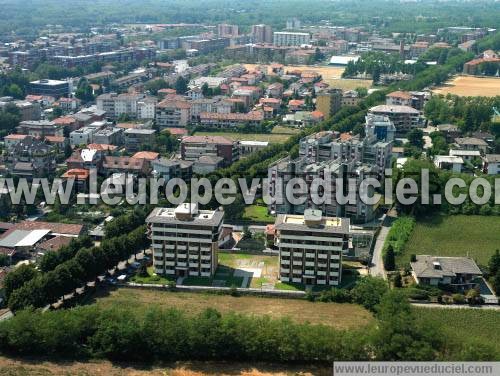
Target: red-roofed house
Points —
{"points": [[296, 104]]}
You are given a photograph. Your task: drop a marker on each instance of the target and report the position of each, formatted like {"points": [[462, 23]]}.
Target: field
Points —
{"points": [[471, 86], [273, 138], [460, 235], [459, 325], [24, 367], [332, 75], [341, 316], [257, 213]]}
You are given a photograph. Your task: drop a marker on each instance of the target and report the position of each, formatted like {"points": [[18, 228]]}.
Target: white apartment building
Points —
{"points": [[185, 240], [311, 247], [118, 104], [82, 136], [146, 108], [285, 38]]}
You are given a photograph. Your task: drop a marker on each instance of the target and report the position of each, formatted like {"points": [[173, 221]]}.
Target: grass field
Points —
{"points": [[256, 213], [39, 367], [332, 75], [471, 86], [273, 138], [460, 235], [459, 325], [342, 316]]}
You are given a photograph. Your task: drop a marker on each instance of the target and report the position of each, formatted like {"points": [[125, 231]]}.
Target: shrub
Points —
{"points": [[458, 298]]}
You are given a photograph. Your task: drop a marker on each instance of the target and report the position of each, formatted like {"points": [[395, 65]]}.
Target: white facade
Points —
{"points": [[311, 247], [185, 240], [284, 38]]}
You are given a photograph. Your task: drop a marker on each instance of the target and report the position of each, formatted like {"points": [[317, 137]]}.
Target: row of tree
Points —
{"points": [[119, 333], [87, 265]]}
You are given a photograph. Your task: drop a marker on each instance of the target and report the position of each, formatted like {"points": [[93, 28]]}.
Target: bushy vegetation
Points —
{"points": [[399, 234]]}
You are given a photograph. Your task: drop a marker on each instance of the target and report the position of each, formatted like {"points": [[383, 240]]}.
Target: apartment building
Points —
{"points": [[228, 120], [262, 33], [173, 113], [52, 88], [405, 118], [39, 128], [136, 138], [28, 110], [120, 104], [109, 136], [311, 247], [194, 147], [82, 136], [185, 240], [491, 164], [285, 38], [225, 30], [214, 105], [329, 102], [415, 99]]}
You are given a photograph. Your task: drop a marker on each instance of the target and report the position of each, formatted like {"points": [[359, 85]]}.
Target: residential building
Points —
{"points": [[262, 33], [185, 240], [172, 168], [249, 147], [82, 136], [52, 88], [293, 23], [109, 136], [311, 247], [135, 138], [121, 104], [146, 108], [39, 128], [466, 155], [31, 157], [225, 30], [449, 162], [285, 38], [415, 99], [472, 143], [13, 139], [329, 102], [69, 104], [128, 165], [173, 113], [303, 118], [85, 159], [350, 98], [459, 273], [228, 120], [404, 118], [28, 110], [194, 147], [207, 164], [491, 164]]}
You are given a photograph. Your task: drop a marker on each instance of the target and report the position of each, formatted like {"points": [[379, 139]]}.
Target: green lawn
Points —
{"points": [[257, 213], [460, 235], [460, 325], [151, 278]]}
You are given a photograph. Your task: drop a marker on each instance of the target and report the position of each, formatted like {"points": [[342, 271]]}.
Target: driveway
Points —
{"points": [[377, 264]]}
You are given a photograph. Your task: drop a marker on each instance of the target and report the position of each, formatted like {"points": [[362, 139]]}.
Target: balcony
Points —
{"points": [[321, 272], [193, 264], [297, 271], [285, 262], [309, 263], [310, 255], [203, 257], [297, 262], [309, 271], [284, 253], [285, 270], [182, 264], [297, 254], [322, 256], [297, 280]]}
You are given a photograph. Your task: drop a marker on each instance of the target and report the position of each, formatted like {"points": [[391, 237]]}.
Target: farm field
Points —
{"points": [[332, 75], [471, 86], [459, 325], [341, 316], [459, 235], [273, 138], [23, 367]]}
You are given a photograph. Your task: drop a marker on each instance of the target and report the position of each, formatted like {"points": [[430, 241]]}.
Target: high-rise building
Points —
{"points": [[262, 34], [285, 38], [185, 240], [311, 247], [225, 30], [293, 23], [329, 102]]}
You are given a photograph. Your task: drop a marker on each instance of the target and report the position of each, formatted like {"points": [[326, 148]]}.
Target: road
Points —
{"points": [[455, 306], [377, 264]]}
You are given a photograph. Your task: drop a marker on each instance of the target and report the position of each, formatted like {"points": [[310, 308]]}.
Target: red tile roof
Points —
{"points": [[55, 243], [77, 173], [148, 155]]}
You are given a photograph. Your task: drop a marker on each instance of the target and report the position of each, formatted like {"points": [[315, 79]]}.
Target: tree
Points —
{"points": [[494, 263], [496, 283], [181, 85], [415, 138], [369, 291], [389, 259], [17, 278]]}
